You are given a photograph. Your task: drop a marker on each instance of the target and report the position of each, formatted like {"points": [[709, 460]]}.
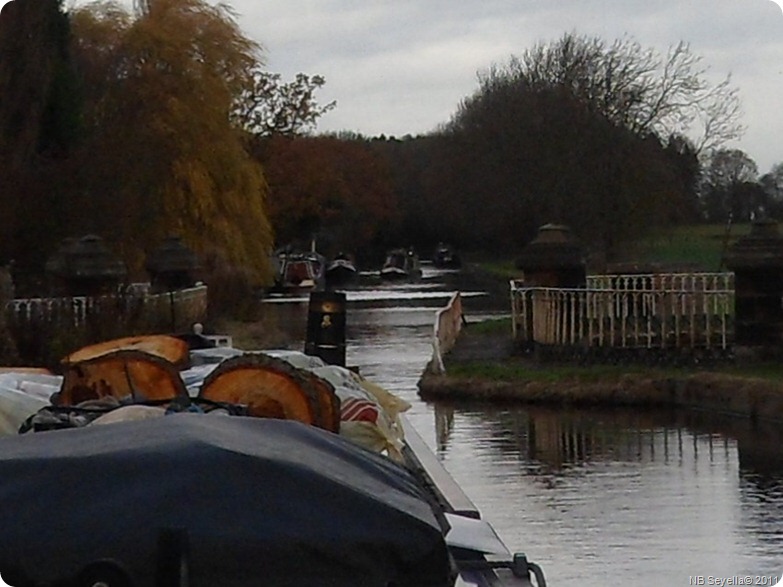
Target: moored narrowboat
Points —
{"points": [[400, 265], [262, 467], [299, 272], [341, 271], [446, 257]]}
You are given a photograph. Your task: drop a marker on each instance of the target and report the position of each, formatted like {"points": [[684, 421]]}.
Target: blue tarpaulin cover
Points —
{"points": [[264, 502]]}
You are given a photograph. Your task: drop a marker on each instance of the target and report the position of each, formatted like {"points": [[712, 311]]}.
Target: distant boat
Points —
{"points": [[401, 264], [341, 270], [298, 272], [446, 257]]}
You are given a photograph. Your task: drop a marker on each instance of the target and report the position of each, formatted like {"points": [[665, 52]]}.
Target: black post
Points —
{"points": [[326, 327]]}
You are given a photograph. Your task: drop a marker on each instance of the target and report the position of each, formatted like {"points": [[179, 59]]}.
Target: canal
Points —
{"points": [[598, 498]]}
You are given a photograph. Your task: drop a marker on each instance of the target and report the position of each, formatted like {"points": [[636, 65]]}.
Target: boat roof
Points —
{"points": [[258, 498]]}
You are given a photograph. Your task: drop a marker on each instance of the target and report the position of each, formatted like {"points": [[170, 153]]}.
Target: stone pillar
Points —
{"points": [[553, 259], [85, 267], [757, 263], [172, 266]]}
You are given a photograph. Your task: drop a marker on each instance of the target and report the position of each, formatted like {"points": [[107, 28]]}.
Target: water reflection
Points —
{"points": [[609, 497], [656, 496], [557, 439]]}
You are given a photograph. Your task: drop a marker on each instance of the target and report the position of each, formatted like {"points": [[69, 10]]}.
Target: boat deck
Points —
{"points": [[482, 558]]}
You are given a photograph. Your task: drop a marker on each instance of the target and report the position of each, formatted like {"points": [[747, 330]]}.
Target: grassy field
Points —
{"points": [[697, 246], [502, 268]]}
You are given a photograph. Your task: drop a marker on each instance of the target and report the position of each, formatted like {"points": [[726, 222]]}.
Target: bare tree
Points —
{"points": [[633, 87], [272, 107]]}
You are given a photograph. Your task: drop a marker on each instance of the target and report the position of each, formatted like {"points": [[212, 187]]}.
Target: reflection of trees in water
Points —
{"points": [[762, 515], [760, 450], [552, 444], [557, 439]]}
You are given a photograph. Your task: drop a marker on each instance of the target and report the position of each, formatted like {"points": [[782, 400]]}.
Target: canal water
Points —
{"points": [[597, 498]]}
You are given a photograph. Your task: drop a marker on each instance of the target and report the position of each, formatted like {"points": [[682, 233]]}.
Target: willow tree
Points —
{"points": [[161, 84]]}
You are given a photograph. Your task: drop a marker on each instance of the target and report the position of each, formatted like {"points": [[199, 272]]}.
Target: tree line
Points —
{"points": [[612, 139], [135, 125]]}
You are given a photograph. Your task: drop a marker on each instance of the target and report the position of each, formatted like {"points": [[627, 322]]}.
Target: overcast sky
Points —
{"points": [[398, 67]]}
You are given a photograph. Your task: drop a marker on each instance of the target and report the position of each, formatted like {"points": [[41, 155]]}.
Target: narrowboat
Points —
{"points": [[400, 265], [341, 271], [299, 272], [247, 468], [446, 257]]}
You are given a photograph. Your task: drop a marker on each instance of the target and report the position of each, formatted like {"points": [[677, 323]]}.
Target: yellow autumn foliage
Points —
{"points": [[165, 159]]}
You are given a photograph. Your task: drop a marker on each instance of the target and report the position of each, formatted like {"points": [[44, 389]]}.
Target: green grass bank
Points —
{"points": [[484, 366]]}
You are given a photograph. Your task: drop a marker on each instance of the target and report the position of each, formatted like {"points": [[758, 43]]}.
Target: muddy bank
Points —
{"points": [[702, 389], [715, 392]]}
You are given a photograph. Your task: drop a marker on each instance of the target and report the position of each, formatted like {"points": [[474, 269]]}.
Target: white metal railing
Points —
{"points": [[448, 324], [76, 309], [663, 281], [624, 318]]}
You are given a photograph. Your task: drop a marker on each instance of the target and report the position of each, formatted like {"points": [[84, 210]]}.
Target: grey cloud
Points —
{"points": [[399, 67]]}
